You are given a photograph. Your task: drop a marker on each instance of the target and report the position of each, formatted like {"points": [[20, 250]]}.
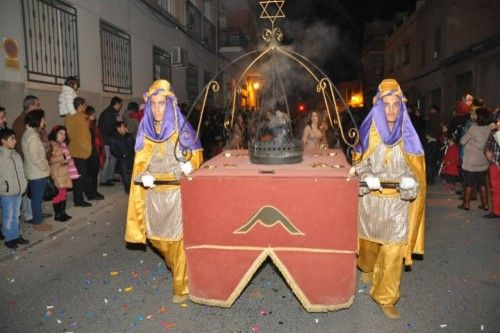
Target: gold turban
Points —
{"points": [[389, 86], [159, 87]]}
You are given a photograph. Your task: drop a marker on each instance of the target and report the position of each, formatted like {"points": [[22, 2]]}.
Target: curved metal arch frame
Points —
{"points": [[324, 86]]}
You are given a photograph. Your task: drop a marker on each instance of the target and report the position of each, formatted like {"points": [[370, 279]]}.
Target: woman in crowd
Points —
{"points": [[475, 164], [36, 166], [313, 136], [238, 137], [62, 171]]}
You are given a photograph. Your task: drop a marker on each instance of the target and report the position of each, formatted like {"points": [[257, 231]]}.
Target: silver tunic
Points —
{"points": [[163, 206], [383, 218]]}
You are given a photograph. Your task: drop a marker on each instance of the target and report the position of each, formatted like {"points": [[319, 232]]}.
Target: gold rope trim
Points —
{"points": [[289, 279], [258, 248]]}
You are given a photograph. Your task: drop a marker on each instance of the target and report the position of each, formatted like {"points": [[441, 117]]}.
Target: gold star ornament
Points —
{"points": [[272, 9]]}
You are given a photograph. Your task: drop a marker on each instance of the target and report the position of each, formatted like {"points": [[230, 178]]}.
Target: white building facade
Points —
{"points": [[115, 48]]}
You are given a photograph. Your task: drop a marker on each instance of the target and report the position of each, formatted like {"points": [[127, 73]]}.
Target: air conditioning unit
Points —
{"points": [[179, 57]]}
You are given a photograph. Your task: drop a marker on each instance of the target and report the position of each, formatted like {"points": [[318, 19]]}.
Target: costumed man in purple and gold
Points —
{"points": [[391, 220], [154, 209]]}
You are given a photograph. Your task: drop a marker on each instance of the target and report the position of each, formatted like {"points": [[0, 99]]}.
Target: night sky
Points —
{"points": [[343, 61]]}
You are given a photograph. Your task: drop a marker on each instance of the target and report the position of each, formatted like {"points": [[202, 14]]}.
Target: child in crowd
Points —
{"points": [[451, 164], [62, 171], [122, 147], [13, 184], [68, 94]]}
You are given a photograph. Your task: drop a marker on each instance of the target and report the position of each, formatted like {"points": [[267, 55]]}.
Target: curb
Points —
{"points": [[112, 195]]}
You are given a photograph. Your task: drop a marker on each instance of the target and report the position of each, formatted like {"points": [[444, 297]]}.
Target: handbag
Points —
{"points": [[50, 192]]}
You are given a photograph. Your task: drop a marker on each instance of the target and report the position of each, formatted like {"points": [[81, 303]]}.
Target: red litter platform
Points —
{"points": [[303, 216]]}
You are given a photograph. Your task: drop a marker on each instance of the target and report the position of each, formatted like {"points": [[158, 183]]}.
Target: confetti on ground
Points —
{"points": [[113, 273], [58, 321], [410, 325], [184, 305], [162, 309], [167, 325], [129, 289], [482, 327], [90, 314], [316, 320], [50, 306], [104, 254], [255, 328], [149, 317], [106, 301], [443, 325], [264, 311]]}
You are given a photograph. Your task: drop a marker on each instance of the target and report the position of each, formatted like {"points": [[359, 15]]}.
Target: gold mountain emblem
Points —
{"points": [[269, 216]]}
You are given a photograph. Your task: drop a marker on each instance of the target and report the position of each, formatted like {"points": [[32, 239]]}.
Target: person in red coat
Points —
{"points": [[451, 164]]}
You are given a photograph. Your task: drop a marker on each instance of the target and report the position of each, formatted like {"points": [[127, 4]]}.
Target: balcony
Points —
{"points": [[208, 34], [232, 40]]}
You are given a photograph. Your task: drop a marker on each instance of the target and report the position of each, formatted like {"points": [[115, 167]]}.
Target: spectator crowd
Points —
{"points": [[80, 154]]}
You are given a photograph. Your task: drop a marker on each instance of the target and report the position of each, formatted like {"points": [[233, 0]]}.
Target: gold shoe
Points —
{"points": [[366, 277], [390, 311], [180, 299]]}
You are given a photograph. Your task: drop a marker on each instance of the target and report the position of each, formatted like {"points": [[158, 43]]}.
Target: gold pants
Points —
{"points": [[385, 261], [175, 258]]}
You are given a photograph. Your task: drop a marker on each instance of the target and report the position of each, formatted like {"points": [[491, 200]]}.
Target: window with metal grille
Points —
{"points": [[207, 76], [193, 19], [116, 60], [406, 54], [162, 69], [437, 43], [51, 41], [422, 53], [192, 82], [166, 4]]}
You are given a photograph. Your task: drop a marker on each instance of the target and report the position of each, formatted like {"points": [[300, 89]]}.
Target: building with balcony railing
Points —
{"points": [[115, 47], [446, 48]]}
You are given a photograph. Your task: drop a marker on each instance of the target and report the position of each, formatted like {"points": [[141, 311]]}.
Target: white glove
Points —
{"points": [[186, 168], [148, 180], [407, 183], [373, 183]]}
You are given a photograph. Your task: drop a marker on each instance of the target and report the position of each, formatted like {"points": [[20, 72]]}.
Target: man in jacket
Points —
{"points": [[80, 147], [106, 124]]}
